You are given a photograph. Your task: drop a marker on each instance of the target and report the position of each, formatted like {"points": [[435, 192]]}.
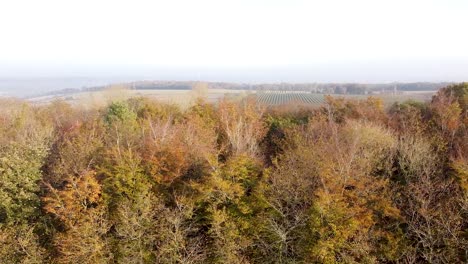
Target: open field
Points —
{"points": [[179, 97], [186, 97], [112, 94], [281, 98]]}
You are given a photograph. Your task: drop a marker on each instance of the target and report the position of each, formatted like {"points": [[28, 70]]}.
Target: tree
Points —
{"points": [[128, 197], [80, 218], [340, 109], [230, 205], [24, 145], [20, 244], [242, 126], [429, 201]]}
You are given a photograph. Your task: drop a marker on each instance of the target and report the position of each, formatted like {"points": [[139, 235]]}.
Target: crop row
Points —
{"points": [[284, 98]]}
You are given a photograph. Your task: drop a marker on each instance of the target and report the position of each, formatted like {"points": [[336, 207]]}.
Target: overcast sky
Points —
{"points": [[324, 40]]}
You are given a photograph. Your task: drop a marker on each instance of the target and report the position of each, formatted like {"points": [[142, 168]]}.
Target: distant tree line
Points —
{"points": [[322, 88]]}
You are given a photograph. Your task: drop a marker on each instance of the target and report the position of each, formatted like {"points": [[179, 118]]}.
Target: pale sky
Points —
{"points": [[410, 39]]}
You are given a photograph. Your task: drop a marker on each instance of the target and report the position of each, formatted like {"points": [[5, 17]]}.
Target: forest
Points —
{"points": [[140, 181]]}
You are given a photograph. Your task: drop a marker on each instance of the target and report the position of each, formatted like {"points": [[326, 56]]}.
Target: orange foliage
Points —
{"points": [[73, 202]]}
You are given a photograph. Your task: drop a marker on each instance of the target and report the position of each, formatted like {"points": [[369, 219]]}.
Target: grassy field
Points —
{"points": [[179, 97]]}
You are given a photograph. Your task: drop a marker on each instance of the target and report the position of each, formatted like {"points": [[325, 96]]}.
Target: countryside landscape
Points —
{"points": [[233, 132], [269, 94]]}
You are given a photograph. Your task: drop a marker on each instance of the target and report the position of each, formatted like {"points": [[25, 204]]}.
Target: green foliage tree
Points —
{"points": [[231, 205]]}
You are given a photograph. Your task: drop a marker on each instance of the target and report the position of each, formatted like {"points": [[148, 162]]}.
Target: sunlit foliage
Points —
{"points": [[139, 181]]}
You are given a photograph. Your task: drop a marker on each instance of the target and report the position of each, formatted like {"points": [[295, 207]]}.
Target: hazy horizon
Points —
{"points": [[363, 41], [454, 70]]}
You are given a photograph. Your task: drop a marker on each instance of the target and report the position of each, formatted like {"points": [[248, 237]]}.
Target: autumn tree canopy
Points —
{"points": [[139, 181]]}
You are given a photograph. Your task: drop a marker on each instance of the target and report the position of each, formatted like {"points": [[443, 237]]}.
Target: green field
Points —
{"points": [[281, 98], [284, 98]]}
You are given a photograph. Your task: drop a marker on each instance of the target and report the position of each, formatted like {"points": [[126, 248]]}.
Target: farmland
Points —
{"points": [[171, 96], [314, 99], [184, 97], [283, 98]]}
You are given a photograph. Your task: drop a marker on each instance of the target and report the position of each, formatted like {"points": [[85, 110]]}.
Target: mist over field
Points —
{"points": [[58, 46], [24, 81]]}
